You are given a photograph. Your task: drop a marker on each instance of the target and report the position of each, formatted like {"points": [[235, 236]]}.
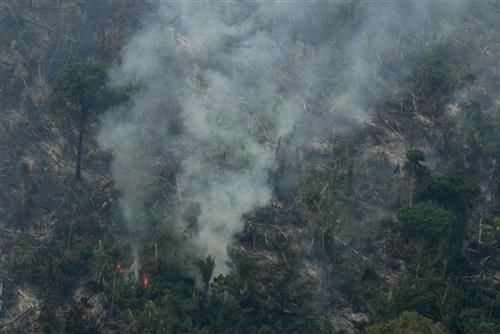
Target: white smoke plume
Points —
{"points": [[216, 85]]}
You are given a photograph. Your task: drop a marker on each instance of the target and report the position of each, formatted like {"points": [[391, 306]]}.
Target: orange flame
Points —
{"points": [[145, 281], [120, 269]]}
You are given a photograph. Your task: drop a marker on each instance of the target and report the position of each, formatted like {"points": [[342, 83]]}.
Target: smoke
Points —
{"points": [[216, 86]]}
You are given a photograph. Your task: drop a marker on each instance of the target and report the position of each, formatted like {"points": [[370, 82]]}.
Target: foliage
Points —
{"points": [[455, 192], [433, 79], [80, 87], [426, 221], [408, 323], [421, 297], [429, 86], [275, 297], [477, 321], [415, 156]]}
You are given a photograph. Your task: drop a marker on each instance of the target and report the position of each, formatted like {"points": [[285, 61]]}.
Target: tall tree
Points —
{"points": [[79, 91], [413, 166]]}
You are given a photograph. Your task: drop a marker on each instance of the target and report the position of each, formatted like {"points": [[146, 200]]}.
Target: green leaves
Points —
{"points": [[80, 87], [415, 156], [421, 297], [409, 323], [455, 192], [426, 221]]}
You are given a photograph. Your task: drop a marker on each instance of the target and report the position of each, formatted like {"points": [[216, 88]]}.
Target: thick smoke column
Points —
{"points": [[215, 87], [204, 87]]}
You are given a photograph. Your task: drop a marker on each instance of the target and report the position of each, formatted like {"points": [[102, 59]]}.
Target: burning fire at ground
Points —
{"points": [[128, 274]]}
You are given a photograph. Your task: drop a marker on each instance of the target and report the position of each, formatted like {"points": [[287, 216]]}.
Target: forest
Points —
{"points": [[249, 167]]}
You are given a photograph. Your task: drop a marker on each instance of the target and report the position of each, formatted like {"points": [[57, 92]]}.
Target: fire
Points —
{"points": [[120, 269], [145, 281]]}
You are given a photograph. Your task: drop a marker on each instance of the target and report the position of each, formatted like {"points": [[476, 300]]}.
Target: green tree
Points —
{"points": [[457, 194], [414, 168], [426, 221], [79, 90], [429, 86], [415, 156], [422, 297], [477, 321], [408, 323]]}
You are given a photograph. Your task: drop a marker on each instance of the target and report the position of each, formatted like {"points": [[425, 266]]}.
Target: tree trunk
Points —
{"points": [[411, 192], [480, 229], [83, 122]]}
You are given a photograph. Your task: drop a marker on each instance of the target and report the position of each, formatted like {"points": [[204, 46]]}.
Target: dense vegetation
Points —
{"points": [[432, 236], [427, 262]]}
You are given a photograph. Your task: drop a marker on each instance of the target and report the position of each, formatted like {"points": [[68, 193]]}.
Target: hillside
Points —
{"points": [[249, 167]]}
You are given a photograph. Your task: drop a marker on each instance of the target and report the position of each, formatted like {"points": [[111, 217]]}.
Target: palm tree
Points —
{"points": [[206, 268]]}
